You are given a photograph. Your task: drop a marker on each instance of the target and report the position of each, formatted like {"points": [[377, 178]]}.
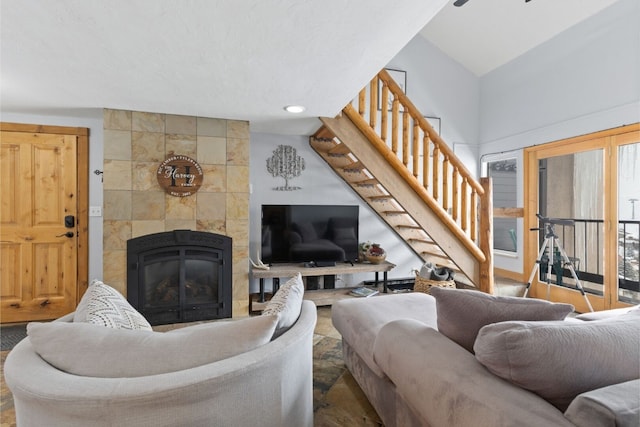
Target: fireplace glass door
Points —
{"points": [[180, 285]]}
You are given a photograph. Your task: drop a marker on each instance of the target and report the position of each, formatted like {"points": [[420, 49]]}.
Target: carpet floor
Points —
{"points": [[337, 399]]}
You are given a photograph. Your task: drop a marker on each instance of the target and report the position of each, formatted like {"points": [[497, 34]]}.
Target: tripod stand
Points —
{"points": [[552, 242]]}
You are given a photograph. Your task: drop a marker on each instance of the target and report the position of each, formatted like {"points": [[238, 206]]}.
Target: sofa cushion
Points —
{"points": [[446, 386], [286, 304], [91, 350], [560, 360], [103, 305], [605, 314], [360, 319], [614, 405], [461, 313]]}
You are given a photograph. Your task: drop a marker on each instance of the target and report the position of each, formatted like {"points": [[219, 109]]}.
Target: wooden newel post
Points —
{"points": [[485, 236]]}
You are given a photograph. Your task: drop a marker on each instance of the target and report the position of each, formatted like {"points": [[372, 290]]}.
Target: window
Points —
{"points": [[505, 195]]}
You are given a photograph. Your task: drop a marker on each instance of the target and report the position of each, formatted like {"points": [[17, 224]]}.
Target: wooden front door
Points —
{"points": [[39, 225]]}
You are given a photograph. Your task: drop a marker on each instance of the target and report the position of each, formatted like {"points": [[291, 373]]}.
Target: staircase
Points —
{"points": [[401, 167]]}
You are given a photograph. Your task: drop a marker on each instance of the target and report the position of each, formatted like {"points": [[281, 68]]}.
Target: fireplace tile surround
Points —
{"points": [[135, 143]]}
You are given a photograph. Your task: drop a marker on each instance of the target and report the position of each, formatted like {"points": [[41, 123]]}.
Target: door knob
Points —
{"points": [[68, 234]]}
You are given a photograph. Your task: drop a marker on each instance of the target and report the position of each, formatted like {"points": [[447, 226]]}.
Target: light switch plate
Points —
{"points": [[95, 210]]}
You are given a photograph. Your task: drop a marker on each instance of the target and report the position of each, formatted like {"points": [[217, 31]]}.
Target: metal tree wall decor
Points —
{"points": [[285, 163]]}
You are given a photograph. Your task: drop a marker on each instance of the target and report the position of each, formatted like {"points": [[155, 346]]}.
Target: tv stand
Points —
{"points": [[276, 271]]}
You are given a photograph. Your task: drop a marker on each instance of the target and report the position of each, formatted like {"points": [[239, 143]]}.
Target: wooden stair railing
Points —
{"points": [[420, 156]]}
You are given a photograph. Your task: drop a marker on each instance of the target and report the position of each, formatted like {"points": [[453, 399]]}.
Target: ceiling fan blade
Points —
{"points": [[459, 3]]}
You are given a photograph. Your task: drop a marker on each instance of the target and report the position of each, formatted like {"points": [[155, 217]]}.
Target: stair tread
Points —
{"points": [[339, 149], [411, 227], [381, 197], [436, 254], [322, 148], [355, 166], [339, 163], [324, 133], [369, 181], [425, 241]]}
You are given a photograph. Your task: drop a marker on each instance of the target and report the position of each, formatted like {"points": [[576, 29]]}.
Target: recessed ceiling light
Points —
{"points": [[294, 109]]}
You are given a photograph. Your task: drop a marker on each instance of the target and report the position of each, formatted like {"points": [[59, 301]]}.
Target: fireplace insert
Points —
{"points": [[180, 276]]}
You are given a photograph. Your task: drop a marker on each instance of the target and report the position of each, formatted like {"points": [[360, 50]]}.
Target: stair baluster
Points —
{"points": [[440, 179]]}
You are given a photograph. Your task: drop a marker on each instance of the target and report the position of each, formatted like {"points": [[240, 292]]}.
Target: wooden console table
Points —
{"points": [[289, 270]]}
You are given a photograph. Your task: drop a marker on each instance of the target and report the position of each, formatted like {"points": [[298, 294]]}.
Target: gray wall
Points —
{"points": [[582, 81], [320, 185], [441, 87]]}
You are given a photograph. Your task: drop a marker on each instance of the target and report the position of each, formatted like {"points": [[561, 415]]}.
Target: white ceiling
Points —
{"points": [[485, 34], [244, 59], [238, 59]]}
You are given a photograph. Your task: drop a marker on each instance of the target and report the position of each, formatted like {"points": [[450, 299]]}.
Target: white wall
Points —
{"points": [[319, 185], [91, 119], [441, 87], [583, 80]]}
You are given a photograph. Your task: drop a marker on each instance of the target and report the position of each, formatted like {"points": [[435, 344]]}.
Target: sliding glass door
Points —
{"points": [[571, 190], [589, 186], [628, 218]]}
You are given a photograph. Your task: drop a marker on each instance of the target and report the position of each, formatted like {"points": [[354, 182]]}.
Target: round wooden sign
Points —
{"points": [[180, 176]]}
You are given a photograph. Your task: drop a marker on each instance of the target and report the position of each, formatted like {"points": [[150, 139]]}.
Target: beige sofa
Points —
{"points": [[414, 375], [268, 386]]}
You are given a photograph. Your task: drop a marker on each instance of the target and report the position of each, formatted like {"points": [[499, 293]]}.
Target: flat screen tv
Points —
{"points": [[309, 233]]}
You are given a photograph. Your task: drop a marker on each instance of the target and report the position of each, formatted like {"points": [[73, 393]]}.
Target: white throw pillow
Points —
{"points": [[286, 304], [559, 360], [461, 313], [105, 306], [91, 350]]}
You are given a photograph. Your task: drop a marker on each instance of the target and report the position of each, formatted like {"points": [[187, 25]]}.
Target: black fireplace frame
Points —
{"points": [[219, 247]]}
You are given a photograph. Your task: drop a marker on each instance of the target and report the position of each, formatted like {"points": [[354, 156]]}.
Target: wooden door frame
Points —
{"points": [[82, 191], [607, 140]]}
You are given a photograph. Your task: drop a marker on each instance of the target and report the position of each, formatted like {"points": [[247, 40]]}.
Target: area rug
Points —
{"points": [[11, 335], [337, 399], [7, 411]]}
